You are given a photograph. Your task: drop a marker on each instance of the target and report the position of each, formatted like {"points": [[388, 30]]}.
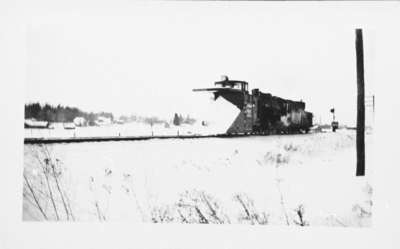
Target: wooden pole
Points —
{"points": [[373, 104], [360, 139]]}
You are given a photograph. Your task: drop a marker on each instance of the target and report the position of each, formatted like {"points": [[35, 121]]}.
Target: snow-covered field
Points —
{"points": [[128, 129], [286, 180]]}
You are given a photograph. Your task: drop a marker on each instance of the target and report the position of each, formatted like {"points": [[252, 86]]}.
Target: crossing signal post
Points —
{"points": [[334, 124]]}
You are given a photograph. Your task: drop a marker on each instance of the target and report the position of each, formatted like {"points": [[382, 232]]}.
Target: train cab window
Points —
{"points": [[236, 86]]}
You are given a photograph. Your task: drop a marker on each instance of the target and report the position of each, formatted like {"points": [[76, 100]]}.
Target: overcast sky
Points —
{"points": [[147, 58]]}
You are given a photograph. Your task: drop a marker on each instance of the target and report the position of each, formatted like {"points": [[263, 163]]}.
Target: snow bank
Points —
{"points": [[296, 180]]}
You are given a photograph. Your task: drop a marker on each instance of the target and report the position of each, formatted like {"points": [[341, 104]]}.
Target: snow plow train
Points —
{"points": [[261, 113]]}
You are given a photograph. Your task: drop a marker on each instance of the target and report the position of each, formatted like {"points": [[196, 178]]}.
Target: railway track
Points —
{"points": [[124, 138]]}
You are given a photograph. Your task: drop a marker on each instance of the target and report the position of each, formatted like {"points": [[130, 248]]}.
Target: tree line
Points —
{"points": [[61, 113]]}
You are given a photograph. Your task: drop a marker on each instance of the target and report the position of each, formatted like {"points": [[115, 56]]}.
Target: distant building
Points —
{"points": [[69, 126], [80, 121], [103, 121], [119, 121], [33, 123]]}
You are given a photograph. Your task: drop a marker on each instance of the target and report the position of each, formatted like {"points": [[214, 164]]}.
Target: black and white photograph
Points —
{"points": [[202, 114], [197, 120]]}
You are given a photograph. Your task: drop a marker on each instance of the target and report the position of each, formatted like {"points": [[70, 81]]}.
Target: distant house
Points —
{"points": [[80, 121], [69, 126], [103, 121], [33, 123], [119, 121]]}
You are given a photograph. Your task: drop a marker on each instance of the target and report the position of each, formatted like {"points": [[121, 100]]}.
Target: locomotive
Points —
{"points": [[261, 113]]}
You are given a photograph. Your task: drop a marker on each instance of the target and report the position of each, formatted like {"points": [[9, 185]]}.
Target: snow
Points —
{"points": [[163, 180], [216, 123]]}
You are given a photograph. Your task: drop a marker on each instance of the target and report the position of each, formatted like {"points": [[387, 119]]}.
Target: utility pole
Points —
{"points": [[370, 105], [373, 104], [360, 139]]}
